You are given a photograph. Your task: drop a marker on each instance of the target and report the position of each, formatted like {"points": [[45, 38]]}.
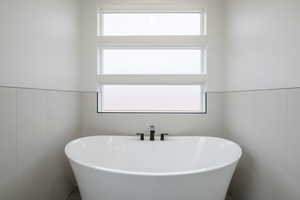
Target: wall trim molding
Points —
{"points": [[45, 89], [260, 90], [95, 91]]}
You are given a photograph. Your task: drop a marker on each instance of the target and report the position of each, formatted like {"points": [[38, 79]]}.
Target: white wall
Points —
{"points": [[266, 124], [35, 126], [263, 44], [88, 48], [39, 44], [39, 48]]}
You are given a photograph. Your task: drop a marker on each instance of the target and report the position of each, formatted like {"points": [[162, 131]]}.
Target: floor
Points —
{"points": [[76, 196]]}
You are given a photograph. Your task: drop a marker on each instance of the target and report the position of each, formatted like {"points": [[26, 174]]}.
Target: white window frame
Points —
{"points": [[152, 42]]}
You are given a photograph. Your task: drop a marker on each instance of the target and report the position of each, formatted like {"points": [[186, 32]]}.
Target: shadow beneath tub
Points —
{"points": [[75, 195]]}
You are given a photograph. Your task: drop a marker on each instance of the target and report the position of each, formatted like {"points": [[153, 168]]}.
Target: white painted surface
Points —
{"points": [[39, 44], [178, 168], [262, 44], [88, 45]]}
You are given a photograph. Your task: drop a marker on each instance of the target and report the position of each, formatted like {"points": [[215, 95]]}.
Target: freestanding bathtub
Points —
{"points": [[179, 168]]}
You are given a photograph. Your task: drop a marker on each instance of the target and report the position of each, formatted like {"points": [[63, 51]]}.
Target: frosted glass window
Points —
{"points": [[152, 61], [126, 24], [137, 74], [151, 98]]}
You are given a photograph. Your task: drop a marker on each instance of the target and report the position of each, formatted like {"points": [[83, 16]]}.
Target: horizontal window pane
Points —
{"points": [[153, 61], [152, 98], [126, 24]]}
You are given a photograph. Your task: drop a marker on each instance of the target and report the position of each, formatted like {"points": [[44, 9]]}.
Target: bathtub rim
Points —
{"points": [[139, 173]]}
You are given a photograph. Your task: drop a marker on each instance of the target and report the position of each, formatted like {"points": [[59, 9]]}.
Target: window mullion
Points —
{"points": [[152, 79], [152, 41]]}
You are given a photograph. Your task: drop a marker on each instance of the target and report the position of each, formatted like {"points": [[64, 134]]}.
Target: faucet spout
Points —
{"points": [[152, 132]]}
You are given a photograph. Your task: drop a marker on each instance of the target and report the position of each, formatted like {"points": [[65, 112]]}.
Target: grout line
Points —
{"points": [[17, 144]]}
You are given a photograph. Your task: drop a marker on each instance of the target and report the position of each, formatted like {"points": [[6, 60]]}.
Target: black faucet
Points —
{"points": [[152, 133]]}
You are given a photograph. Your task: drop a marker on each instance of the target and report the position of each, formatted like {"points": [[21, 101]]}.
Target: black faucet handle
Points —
{"points": [[162, 136], [142, 136]]}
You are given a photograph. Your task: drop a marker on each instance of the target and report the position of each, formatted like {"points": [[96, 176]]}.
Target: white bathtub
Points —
{"points": [[180, 168]]}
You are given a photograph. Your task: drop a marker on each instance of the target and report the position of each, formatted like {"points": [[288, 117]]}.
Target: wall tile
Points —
{"points": [[8, 144], [33, 163], [264, 123], [239, 125], [293, 134], [47, 120], [62, 126]]}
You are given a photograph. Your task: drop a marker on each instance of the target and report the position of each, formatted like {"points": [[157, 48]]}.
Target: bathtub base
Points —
{"points": [[101, 185]]}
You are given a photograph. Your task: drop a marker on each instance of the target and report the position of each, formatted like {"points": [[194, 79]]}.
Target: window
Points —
{"points": [[152, 98], [151, 24], [152, 62]]}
